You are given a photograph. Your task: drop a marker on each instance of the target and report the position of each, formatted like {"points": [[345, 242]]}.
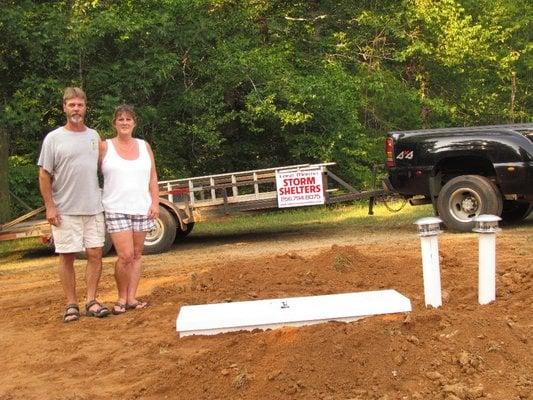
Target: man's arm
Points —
{"points": [[45, 186]]}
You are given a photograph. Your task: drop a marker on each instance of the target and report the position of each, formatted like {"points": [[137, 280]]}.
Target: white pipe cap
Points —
{"points": [[486, 223], [429, 226]]}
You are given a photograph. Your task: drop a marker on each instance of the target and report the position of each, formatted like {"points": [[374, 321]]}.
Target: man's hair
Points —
{"points": [[126, 109], [72, 92]]}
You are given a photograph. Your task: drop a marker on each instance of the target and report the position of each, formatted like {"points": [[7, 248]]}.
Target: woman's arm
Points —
{"points": [[153, 187]]}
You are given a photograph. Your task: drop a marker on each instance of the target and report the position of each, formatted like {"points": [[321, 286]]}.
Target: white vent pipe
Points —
{"points": [[428, 230], [487, 226]]}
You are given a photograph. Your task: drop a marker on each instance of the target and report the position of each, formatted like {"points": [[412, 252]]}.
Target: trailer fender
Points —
{"points": [[180, 215]]}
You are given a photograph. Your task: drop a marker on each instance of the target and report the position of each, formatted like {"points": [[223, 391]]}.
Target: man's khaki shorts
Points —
{"points": [[78, 232]]}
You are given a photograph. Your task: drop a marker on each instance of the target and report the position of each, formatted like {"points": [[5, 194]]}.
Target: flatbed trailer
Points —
{"points": [[184, 202], [25, 226]]}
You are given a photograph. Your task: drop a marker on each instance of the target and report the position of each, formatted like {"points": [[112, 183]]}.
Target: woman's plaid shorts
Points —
{"points": [[117, 222]]}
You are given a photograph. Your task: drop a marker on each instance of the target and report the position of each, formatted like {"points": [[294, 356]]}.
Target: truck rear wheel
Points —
{"points": [[515, 211], [465, 197], [160, 238]]}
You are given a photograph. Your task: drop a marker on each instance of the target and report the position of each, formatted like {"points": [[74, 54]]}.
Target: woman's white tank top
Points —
{"points": [[126, 182]]}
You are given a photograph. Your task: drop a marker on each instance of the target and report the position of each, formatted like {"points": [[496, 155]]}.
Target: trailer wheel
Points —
{"points": [[160, 238], [108, 244], [180, 235], [515, 211], [465, 197]]}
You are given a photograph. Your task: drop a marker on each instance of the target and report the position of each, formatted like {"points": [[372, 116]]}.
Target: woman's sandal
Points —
{"points": [[72, 313], [101, 312], [119, 308], [138, 305]]}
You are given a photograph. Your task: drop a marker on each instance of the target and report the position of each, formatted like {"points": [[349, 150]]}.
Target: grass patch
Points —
{"points": [[10, 248], [14, 251], [319, 218]]}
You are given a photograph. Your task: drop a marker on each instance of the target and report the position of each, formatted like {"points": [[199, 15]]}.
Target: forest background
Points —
{"points": [[229, 85]]}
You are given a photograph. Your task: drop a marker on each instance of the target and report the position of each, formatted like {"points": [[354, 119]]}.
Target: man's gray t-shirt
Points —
{"points": [[72, 160]]}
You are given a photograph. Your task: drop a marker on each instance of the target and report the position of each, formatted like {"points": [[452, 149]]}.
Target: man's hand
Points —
{"points": [[52, 216], [153, 212]]}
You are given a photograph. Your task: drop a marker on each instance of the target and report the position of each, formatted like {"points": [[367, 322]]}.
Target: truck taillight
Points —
{"points": [[389, 151]]}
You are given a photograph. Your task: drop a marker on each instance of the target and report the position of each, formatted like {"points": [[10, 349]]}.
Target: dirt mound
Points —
{"points": [[460, 351]]}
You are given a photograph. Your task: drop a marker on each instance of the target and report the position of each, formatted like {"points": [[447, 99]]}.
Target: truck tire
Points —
{"points": [[159, 239], [465, 197], [515, 211], [180, 235]]}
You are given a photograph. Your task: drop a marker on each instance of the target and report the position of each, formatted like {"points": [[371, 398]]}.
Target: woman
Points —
{"points": [[131, 202]]}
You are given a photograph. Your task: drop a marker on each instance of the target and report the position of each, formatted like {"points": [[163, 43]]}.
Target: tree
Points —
{"points": [[4, 187], [225, 85]]}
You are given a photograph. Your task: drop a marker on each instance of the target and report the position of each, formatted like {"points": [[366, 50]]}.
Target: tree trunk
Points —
{"points": [[4, 187], [513, 96]]}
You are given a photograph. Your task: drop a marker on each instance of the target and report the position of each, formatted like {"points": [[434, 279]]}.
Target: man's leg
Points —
{"points": [[67, 275], [93, 271], [93, 239], [67, 241], [135, 273]]}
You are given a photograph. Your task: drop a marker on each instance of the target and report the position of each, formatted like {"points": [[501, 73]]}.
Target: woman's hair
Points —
{"points": [[124, 108]]}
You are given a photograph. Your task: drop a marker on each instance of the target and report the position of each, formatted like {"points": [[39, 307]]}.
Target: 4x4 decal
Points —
{"points": [[407, 154]]}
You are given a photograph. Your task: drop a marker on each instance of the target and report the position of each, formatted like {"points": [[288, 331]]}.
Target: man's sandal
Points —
{"points": [[118, 308], [72, 313], [101, 312], [137, 305]]}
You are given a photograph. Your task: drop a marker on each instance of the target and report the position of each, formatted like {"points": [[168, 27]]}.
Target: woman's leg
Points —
{"points": [[123, 243], [135, 272]]}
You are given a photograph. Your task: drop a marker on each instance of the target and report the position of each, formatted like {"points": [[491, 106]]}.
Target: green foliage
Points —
{"points": [[23, 183], [4, 193], [225, 85], [470, 57]]}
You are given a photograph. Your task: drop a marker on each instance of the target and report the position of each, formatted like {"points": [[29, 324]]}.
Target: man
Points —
{"points": [[69, 185]]}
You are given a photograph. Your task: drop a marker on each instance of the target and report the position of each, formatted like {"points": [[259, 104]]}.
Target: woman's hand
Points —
{"points": [[153, 212]]}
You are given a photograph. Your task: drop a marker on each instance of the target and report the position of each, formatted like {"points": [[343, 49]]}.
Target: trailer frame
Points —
{"points": [[186, 201]]}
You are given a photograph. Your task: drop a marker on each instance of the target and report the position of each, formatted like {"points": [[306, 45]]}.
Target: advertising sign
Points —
{"points": [[299, 188]]}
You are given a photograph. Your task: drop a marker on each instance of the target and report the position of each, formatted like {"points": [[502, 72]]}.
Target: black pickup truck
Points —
{"points": [[464, 172]]}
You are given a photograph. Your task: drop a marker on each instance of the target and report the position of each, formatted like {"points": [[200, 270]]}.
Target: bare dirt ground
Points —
{"points": [[460, 351]]}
